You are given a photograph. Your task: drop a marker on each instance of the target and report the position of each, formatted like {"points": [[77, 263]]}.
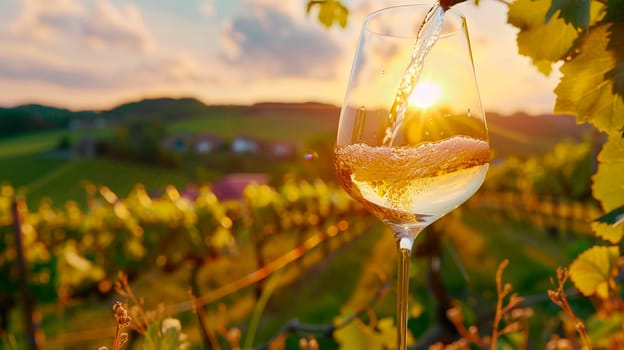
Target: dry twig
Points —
{"points": [[560, 298]]}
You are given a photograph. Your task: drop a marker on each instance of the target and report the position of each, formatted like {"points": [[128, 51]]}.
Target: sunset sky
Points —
{"points": [[94, 54]]}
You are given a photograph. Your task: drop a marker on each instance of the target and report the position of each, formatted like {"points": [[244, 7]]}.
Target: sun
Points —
{"points": [[425, 94]]}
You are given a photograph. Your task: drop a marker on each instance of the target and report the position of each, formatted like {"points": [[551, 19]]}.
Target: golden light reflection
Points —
{"points": [[440, 122], [425, 94]]}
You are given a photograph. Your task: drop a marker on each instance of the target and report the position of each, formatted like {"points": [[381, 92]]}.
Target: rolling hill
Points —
{"points": [[523, 134], [519, 131], [25, 162]]}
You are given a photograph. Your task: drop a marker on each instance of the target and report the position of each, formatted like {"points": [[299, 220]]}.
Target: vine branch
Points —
{"points": [[294, 326]]}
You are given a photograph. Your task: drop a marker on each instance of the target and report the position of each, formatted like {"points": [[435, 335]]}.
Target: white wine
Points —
{"points": [[413, 185]]}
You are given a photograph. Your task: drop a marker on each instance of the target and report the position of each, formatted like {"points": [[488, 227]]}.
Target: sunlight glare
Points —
{"points": [[425, 94]]}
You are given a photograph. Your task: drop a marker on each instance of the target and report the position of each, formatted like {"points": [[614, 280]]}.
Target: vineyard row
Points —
{"points": [[72, 252]]}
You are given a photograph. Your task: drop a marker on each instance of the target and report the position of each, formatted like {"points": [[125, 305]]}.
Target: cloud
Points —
{"points": [[181, 68], [267, 42], [103, 26], [207, 8], [293, 9], [108, 26], [30, 68]]}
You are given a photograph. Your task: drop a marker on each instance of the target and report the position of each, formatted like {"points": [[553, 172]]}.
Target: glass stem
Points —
{"points": [[405, 251]]}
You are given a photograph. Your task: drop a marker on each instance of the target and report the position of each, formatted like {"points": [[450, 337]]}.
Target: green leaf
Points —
{"points": [[575, 12], [587, 88], [608, 187], [601, 328], [152, 336], [330, 12], [614, 218], [357, 335], [75, 269], [258, 310], [594, 270], [615, 11], [544, 43]]}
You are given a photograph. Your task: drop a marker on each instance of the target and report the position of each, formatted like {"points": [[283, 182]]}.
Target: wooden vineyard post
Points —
{"points": [[27, 299], [300, 233], [327, 239], [260, 263]]}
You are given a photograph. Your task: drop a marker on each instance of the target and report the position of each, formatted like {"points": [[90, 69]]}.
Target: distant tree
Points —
{"points": [[139, 140], [14, 121], [64, 143], [30, 118]]}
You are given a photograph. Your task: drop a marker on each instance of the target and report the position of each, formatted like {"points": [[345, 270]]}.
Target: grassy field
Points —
{"points": [[60, 180], [66, 182], [273, 127], [39, 142], [21, 170], [30, 143]]}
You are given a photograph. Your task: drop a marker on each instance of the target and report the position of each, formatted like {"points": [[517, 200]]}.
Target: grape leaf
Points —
{"points": [[330, 11], [575, 12], [608, 186], [602, 328], [222, 239], [544, 43], [74, 269], [608, 232], [594, 270], [357, 335], [616, 45], [587, 88]]}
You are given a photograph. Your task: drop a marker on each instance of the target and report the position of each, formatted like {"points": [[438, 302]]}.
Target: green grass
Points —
{"points": [[319, 294], [24, 165], [66, 181], [38, 142], [292, 128], [533, 256], [30, 143], [21, 170]]}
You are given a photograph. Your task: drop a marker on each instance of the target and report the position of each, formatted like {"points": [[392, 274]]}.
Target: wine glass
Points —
{"points": [[412, 141]]}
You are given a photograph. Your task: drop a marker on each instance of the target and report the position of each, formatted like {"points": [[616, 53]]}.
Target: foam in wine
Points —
{"points": [[414, 184]]}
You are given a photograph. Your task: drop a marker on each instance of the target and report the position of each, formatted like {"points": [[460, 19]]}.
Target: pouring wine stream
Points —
{"points": [[428, 34]]}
